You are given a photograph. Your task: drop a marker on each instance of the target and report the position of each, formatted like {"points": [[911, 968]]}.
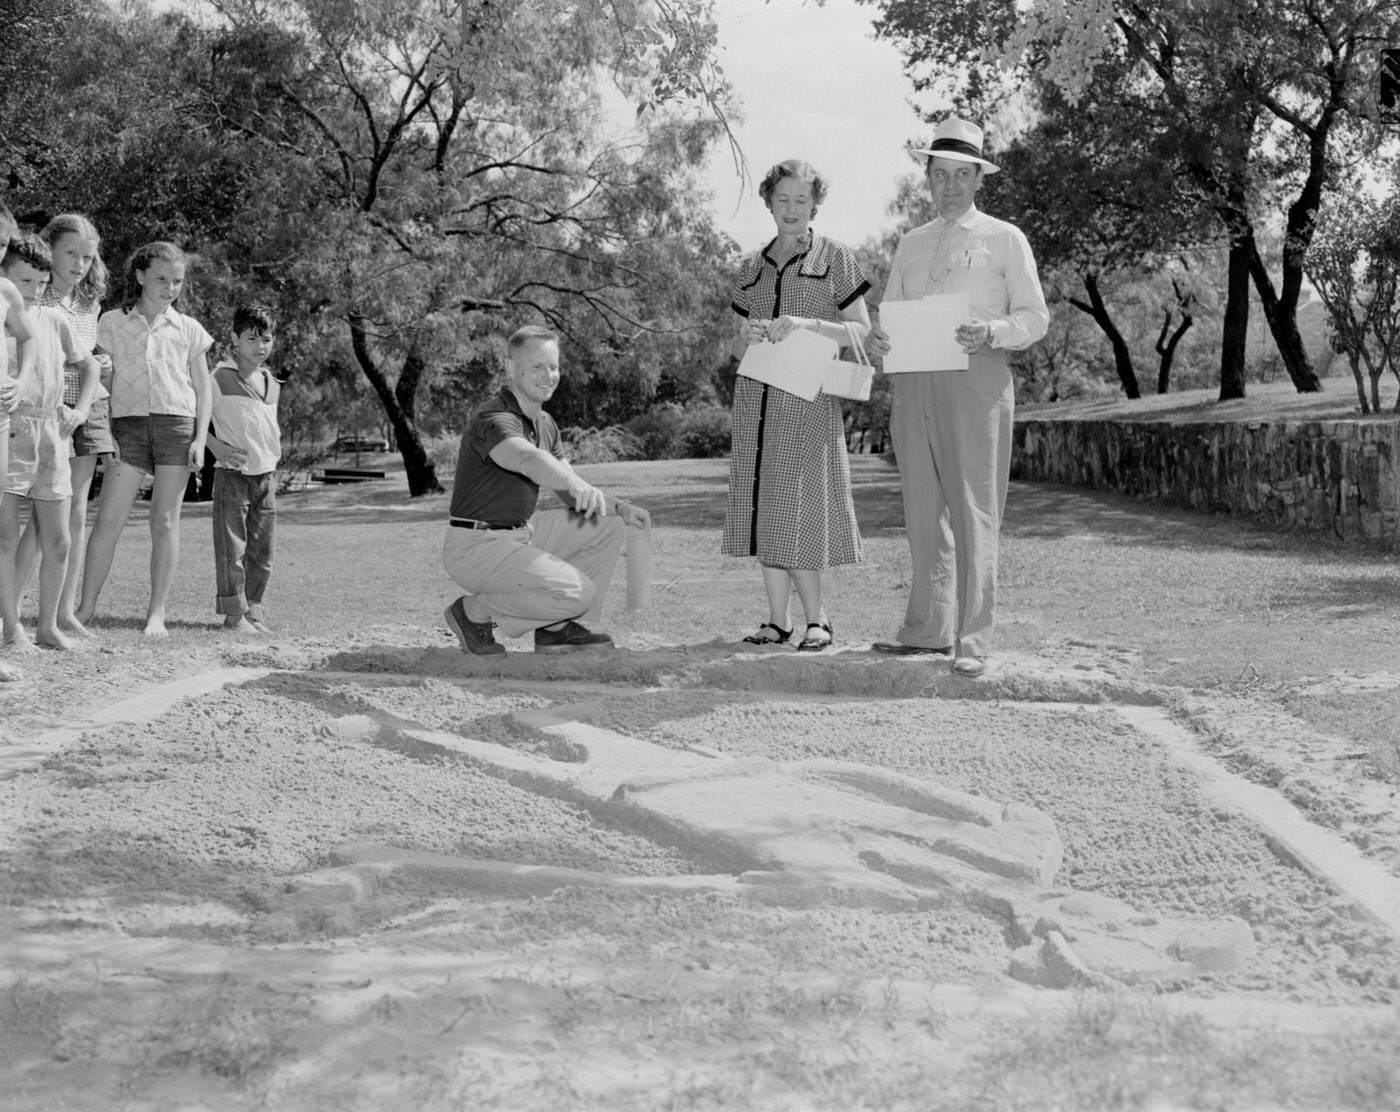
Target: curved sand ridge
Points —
{"points": [[885, 795], [354, 817]]}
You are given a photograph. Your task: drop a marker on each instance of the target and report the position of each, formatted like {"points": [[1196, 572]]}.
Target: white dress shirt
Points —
{"points": [[986, 258]]}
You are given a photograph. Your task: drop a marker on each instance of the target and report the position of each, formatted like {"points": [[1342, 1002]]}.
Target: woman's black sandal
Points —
{"points": [[759, 639], [810, 644]]}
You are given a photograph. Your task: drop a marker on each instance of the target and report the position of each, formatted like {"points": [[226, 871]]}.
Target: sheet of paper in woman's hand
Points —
{"points": [[797, 364], [923, 333]]}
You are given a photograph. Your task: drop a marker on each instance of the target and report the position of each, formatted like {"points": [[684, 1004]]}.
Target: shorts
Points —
{"points": [[38, 456], [94, 436], [157, 440]]}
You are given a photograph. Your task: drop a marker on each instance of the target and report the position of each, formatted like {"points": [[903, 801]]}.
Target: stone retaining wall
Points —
{"points": [[1336, 476]]}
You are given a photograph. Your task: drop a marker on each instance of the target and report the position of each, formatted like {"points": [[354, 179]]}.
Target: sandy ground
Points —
{"points": [[351, 868]]}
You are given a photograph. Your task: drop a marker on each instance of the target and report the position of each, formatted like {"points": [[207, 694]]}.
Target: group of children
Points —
{"points": [[130, 386]]}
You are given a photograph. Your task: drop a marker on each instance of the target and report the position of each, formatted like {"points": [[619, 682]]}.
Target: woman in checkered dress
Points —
{"points": [[789, 479]]}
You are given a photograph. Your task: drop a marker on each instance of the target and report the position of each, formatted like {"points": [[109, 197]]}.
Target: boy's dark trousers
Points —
{"points": [[245, 517]]}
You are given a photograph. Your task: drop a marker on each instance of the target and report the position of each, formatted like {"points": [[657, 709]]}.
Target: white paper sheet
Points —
{"points": [[922, 333], [797, 364]]}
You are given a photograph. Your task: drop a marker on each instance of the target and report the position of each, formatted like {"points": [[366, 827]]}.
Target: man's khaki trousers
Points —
{"points": [[556, 567], [952, 438]]}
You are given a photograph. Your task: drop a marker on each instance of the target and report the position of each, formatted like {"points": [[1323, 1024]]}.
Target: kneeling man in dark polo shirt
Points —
{"points": [[524, 570]]}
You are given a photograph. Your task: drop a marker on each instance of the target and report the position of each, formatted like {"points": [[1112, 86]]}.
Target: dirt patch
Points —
{"points": [[305, 889], [205, 875]]}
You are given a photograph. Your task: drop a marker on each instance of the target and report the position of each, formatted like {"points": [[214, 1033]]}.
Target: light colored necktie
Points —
{"points": [[938, 267]]}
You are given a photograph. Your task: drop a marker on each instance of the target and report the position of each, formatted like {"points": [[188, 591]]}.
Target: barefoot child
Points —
{"points": [[247, 444], [160, 419], [76, 288], [38, 444], [16, 321]]}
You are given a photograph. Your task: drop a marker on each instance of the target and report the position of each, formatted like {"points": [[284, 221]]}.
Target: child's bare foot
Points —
{"points": [[54, 639], [19, 642], [69, 623], [9, 673], [258, 623], [238, 623], [84, 614], [155, 627]]}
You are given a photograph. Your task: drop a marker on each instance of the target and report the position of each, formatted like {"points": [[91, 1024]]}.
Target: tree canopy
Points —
{"points": [[406, 179], [1256, 105], [1354, 264]]}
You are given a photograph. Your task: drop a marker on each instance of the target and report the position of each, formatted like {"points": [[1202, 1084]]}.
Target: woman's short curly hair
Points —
{"points": [[793, 168]]}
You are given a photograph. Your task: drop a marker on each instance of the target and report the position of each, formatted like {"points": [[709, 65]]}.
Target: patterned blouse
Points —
{"points": [[82, 319], [828, 279], [151, 362]]}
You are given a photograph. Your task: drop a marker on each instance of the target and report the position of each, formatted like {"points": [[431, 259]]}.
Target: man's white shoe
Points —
{"points": [[969, 667]]}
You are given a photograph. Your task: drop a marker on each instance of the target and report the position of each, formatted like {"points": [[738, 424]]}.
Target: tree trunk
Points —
{"points": [[1299, 228], [1282, 315], [1234, 338], [1374, 369], [1122, 356], [1360, 384], [420, 471], [1166, 346]]}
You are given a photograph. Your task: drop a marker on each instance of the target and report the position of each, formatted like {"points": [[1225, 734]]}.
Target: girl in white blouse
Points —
{"points": [[161, 401]]}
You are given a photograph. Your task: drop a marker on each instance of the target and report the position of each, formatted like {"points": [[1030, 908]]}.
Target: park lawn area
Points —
{"points": [[1263, 401]]}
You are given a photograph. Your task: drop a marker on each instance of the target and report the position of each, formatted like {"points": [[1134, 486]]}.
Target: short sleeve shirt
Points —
{"points": [[818, 282], [82, 318], [151, 362], [56, 344], [244, 414], [483, 490]]}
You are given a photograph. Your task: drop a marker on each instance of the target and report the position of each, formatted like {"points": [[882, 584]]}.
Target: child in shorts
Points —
{"points": [[40, 426], [247, 444], [160, 419], [21, 365], [77, 285]]}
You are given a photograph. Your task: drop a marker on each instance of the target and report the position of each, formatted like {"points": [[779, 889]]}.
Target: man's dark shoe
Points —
{"points": [[568, 638], [895, 648], [476, 637]]}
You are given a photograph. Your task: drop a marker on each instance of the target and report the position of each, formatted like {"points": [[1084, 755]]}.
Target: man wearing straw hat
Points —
{"points": [[952, 429], [524, 570]]}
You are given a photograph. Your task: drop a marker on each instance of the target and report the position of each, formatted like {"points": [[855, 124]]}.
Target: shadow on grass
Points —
{"points": [[697, 501], [701, 510], [380, 503], [1045, 512], [1342, 598]]}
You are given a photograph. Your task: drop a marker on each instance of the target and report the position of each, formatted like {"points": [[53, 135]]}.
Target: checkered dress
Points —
{"points": [[82, 318], [789, 479]]}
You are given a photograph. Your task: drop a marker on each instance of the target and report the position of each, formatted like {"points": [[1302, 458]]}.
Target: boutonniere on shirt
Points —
{"points": [[974, 255]]}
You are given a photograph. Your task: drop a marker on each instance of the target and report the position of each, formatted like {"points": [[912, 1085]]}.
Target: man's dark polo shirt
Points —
{"points": [[485, 491]]}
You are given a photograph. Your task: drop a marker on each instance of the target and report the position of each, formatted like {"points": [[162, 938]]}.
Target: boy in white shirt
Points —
{"points": [[246, 442], [40, 425]]}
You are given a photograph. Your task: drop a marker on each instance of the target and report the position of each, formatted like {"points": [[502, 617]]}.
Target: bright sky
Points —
{"points": [[814, 84]]}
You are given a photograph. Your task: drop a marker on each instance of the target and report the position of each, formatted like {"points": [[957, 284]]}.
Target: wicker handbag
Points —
{"points": [[847, 379]]}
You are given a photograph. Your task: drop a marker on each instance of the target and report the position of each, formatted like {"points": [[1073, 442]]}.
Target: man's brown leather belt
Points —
{"points": [[468, 523]]}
